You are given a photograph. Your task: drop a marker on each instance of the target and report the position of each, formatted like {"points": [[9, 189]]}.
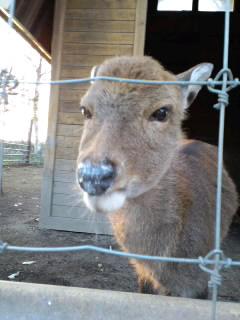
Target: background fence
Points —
{"points": [[15, 153]]}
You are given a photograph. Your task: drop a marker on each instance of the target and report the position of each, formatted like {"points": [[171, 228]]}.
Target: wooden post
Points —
{"points": [[49, 163], [140, 27]]}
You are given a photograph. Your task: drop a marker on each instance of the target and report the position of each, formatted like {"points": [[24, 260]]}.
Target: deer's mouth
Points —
{"points": [[108, 202], [115, 198]]}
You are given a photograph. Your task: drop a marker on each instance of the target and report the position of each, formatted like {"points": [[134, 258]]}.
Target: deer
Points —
{"points": [[157, 187]]}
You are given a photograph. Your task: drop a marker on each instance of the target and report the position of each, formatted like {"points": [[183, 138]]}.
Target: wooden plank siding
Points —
{"points": [[50, 161], [98, 49], [103, 4], [96, 25], [91, 32], [102, 14], [69, 130]]}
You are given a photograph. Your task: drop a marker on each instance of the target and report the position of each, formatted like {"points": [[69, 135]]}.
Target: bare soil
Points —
{"points": [[19, 213]]}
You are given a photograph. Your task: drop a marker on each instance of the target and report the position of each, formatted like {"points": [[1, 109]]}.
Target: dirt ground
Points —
{"points": [[19, 213]]}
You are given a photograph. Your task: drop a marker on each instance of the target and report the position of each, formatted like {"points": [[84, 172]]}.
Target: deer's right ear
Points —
{"points": [[93, 72], [200, 72]]}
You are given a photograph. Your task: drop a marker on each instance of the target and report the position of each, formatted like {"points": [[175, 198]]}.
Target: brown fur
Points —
{"points": [[169, 182]]}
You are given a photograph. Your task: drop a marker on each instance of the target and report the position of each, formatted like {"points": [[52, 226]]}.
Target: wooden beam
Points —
{"points": [[47, 185], [140, 27], [26, 35]]}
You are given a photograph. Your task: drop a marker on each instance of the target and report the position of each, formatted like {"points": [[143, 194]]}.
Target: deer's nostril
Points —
{"points": [[94, 178]]}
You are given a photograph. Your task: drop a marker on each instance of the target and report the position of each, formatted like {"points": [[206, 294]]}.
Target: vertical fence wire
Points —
{"points": [[222, 107]]}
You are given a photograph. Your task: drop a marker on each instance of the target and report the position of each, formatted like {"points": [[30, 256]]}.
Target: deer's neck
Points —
{"points": [[148, 224]]}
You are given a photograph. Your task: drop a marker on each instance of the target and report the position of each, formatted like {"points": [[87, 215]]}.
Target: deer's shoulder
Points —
{"points": [[194, 149], [196, 158]]}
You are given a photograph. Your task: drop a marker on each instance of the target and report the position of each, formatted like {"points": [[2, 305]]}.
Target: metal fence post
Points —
{"points": [[222, 105], [1, 166]]}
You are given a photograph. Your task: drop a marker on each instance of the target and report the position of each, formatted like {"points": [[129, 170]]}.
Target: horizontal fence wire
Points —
{"points": [[221, 85], [210, 82], [4, 247]]}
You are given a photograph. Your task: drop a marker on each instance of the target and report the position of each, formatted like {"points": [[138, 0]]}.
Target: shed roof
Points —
{"points": [[34, 20]]}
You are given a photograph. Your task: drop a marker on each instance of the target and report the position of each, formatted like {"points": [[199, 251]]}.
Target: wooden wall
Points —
{"points": [[86, 32]]}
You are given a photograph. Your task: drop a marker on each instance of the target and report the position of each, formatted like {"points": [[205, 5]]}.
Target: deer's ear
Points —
{"points": [[93, 72], [200, 72]]}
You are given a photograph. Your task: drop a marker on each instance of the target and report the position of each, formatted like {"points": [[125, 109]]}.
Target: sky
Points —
{"points": [[203, 5], [19, 56]]}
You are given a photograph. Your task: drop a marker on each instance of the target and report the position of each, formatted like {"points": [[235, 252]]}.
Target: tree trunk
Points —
{"points": [[29, 144]]}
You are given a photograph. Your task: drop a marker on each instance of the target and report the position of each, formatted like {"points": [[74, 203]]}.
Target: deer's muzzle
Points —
{"points": [[96, 178]]}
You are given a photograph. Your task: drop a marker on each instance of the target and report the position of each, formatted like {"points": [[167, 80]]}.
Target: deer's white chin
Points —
{"points": [[108, 202]]}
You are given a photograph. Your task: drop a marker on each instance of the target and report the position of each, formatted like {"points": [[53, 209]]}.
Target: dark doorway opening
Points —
{"points": [[182, 39]]}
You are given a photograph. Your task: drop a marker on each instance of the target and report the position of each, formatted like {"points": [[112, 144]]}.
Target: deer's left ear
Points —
{"points": [[93, 72], [200, 72]]}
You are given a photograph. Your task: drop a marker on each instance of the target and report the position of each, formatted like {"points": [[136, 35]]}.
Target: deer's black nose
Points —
{"points": [[96, 178]]}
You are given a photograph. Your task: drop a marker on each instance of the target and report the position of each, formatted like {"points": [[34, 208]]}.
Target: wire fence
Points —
{"points": [[215, 260], [21, 153]]}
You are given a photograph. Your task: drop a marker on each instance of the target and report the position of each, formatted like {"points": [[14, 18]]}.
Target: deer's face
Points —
{"points": [[130, 133]]}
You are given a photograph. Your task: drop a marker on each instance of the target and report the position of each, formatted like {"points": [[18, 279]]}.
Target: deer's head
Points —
{"points": [[131, 131]]}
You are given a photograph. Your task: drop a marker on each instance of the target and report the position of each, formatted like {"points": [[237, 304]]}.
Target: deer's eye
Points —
{"points": [[160, 114], [85, 112]]}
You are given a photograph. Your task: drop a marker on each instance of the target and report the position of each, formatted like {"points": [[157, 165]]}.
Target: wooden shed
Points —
{"points": [[85, 33], [88, 31]]}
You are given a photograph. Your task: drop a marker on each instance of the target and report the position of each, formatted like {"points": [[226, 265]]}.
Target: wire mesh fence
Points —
{"points": [[215, 260], [21, 153]]}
